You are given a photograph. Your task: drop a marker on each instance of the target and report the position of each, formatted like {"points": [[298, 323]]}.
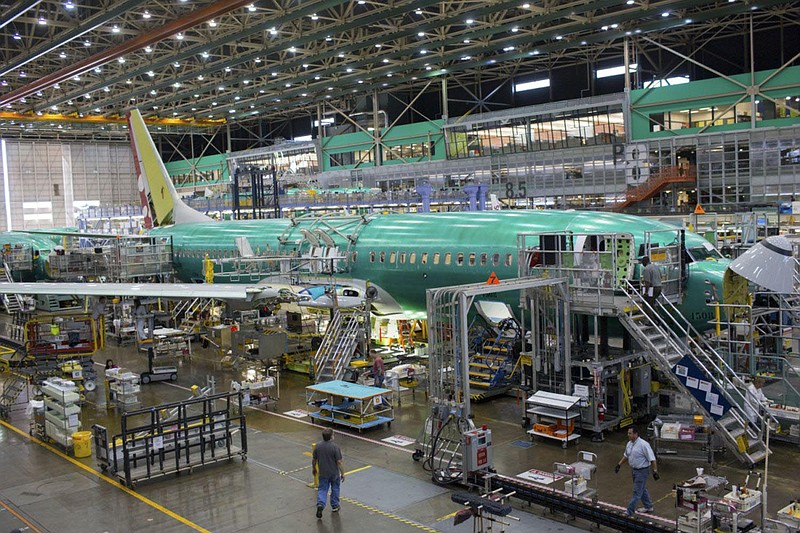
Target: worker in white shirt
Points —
{"points": [[755, 399], [640, 456], [140, 313]]}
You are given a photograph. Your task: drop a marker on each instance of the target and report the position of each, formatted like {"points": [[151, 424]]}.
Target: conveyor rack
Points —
{"points": [[599, 513]]}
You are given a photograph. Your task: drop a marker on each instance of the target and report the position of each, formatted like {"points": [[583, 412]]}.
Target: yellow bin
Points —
{"points": [[82, 443]]}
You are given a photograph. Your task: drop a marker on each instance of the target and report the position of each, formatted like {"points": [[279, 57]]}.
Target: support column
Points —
{"points": [[376, 130]]}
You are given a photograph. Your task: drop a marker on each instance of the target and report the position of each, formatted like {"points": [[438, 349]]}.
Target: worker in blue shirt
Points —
{"points": [[640, 456]]}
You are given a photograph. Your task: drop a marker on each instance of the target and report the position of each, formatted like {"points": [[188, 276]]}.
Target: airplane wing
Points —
{"points": [[220, 291]]}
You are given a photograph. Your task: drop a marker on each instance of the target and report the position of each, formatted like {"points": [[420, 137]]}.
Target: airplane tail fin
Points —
{"points": [[161, 204]]}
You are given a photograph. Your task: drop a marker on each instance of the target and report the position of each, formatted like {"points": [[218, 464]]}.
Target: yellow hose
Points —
{"points": [[624, 383]]}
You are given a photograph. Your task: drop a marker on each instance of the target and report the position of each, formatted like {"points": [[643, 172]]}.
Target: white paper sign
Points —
{"points": [[712, 398], [716, 410], [681, 370], [539, 476], [692, 382], [158, 442], [582, 391], [705, 385], [297, 413], [399, 440], [378, 400], [73, 421]]}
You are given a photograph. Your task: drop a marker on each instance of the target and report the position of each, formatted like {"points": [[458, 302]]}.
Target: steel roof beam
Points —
{"points": [[91, 24], [196, 17], [17, 10]]}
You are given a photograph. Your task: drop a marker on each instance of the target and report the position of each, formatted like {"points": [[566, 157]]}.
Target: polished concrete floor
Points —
{"points": [[44, 490]]}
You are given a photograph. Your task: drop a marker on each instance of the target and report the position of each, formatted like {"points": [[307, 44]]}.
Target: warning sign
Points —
{"points": [[493, 280]]}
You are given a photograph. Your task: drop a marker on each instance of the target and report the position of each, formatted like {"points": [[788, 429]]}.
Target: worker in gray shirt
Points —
{"points": [[640, 456], [651, 281], [327, 462]]}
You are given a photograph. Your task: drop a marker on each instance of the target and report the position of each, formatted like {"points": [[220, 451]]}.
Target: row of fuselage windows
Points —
{"points": [[439, 258], [391, 258]]}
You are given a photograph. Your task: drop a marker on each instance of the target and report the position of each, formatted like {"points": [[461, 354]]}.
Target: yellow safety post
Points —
{"points": [[717, 319], [314, 484]]}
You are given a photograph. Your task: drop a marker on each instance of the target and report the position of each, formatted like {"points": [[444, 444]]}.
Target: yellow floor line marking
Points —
{"points": [[21, 518], [308, 454], [390, 515], [667, 495], [357, 470], [447, 517], [108, 480]]}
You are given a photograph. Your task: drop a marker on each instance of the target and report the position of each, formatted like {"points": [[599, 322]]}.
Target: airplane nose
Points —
{"points": [[769, 264]]}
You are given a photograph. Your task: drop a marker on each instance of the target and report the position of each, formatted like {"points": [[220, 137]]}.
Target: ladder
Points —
{"points": [[673, 353], [12, 388], [344, 333]]}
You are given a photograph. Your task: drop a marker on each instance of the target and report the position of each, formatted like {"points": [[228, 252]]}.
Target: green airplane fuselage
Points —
{"points": [[405, 254]]}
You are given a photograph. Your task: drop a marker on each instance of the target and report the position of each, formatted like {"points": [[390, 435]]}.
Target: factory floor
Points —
{"points": [[43, 489]]}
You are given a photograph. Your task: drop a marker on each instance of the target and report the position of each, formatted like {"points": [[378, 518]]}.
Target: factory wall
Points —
{"points": [[48, 182]]}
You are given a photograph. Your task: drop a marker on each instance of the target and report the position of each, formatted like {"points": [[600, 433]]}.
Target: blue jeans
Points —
{"points": [[639, 490], [322, 493]]}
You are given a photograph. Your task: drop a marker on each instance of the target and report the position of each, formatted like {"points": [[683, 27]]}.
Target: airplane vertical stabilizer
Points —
{"points": [[161, 204]]}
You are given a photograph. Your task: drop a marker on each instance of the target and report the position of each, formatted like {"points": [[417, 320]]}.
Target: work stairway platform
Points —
{"points": [[493, 367], [184, 311], [12, 388], [15, 303], [345, 332], [695, 368]]}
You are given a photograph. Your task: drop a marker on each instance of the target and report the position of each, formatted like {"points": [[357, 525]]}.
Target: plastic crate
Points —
{"points": [[744, 503]]}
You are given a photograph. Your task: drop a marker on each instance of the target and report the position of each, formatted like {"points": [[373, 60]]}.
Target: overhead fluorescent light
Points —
{"points": [[531, 85], [677, 80], [614, 71]]}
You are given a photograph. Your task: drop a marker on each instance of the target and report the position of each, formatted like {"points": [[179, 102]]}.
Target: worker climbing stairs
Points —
{"points": [[695, 368]]}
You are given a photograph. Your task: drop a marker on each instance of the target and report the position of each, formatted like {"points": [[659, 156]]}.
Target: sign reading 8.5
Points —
{"points": [[522, 191]]}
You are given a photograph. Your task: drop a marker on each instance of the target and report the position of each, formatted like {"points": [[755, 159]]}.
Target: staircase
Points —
{"points": [[654, 184], [12, 388], [684, 359], [493, 366], [344, 332], [184, 311], [14, 303], [15, 330]]}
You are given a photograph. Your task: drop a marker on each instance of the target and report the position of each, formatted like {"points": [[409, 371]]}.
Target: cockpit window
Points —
{"points": [[704, 252]]}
